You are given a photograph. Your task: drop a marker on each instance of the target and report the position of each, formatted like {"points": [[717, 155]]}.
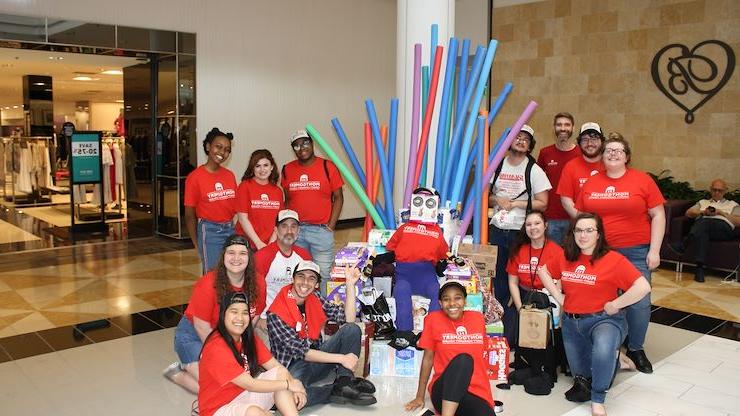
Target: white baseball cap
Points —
{"points": [[529, 130], [307, 265], [287, 214], [300, 134], [591, 126]]}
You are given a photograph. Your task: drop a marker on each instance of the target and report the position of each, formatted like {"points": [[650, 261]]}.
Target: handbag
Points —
{"points": [[535, 320]]}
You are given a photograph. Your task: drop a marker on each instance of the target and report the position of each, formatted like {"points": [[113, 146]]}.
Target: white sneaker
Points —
{"points": [[171, 371]]}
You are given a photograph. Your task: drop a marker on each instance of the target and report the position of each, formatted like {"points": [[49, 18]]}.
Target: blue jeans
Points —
{"points": [[556, 230], [346, 340], [638, 314], [592, 346], [187, 342], [211, 239], [503, 239], [417, 278], [318, 239]]}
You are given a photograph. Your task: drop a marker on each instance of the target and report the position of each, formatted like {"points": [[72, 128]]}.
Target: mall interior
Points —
{"points": [[94, 276]]}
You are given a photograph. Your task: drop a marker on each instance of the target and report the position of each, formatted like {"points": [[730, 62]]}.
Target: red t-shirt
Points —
{"points": [[575, 174], [552, 160], [204, 305], [519, 265], [309, 189], [212, 194], [261, 203], [275, 270], [587, 287], [414, 242], [448, 338], [218, 367], [623, 205]]}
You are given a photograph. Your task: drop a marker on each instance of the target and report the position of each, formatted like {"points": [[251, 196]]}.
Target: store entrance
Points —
{"points": [[45, 96]]}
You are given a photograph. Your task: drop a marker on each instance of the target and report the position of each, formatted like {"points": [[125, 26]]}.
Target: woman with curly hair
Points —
{"points": [[234, 273], [232, 379], [210, 199], [258, 200]]}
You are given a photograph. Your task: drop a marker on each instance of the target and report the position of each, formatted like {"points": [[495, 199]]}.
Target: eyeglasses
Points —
{"points": [[523, 139], [304, 144], [610, 151], [588, 230], [717, 190], [590, 137]]}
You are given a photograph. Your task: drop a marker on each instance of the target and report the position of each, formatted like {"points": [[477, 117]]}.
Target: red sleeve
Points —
{"points": [[654, 196], [262, 260], [541, 158], [191, 190], [555, 266], [426, 341], [243, 199], [305, 254], [393, 241], [263, 354], [565, 186], [512, 266], [626, 271], [579, 200], [283, 179], [335, 179], [261, 289], [203, 298], [219, 362]]}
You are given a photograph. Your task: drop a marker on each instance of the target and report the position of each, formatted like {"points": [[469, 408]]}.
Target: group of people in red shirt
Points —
{"points": [[592, 250]]}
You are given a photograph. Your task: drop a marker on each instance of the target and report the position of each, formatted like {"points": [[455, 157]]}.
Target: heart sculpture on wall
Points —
{"points": [[691, 77]]}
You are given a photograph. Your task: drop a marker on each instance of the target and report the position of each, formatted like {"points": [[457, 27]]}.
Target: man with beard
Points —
{"points": [[552, 159], [275, 263], [577, 171], [518, 187], [313, 189]]}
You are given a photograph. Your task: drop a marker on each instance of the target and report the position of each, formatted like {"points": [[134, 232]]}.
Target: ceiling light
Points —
{"points": [[112, 72], [119, 101], [15, 106], [82, 78], [41, 84]]}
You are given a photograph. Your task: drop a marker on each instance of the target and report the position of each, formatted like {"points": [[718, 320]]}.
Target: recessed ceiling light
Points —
{"points": [[82, 78], [15, 106], [112, 72]]}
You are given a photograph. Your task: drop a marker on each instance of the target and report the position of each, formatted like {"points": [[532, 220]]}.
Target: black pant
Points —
{"points": [[452, 385], [705, 230]]}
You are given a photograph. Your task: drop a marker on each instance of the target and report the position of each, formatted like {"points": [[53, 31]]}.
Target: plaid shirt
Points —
{"points": [[285, 343]]}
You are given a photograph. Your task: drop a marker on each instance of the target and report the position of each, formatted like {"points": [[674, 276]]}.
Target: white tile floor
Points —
{"points": [[694, 375]]}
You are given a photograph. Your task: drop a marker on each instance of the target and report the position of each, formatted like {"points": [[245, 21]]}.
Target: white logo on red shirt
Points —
{"points": [[220, 193], [594, 172], [579, 275], [421, 229], [609, 193], [552, 163], [264, 197], [304, 184], [265, 203], [461, 336], [303, 178]]}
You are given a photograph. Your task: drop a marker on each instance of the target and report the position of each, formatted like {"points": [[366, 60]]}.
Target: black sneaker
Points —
{"points": [[363, 385], [641, 361], [349, 394], [581, 390]]}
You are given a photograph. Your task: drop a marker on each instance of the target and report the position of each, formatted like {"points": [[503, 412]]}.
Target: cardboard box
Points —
{"points": [[387, 361], [474, 302], [483, 256], [337, 293], [495, 329]]}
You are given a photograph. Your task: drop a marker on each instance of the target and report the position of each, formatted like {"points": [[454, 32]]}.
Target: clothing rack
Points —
{"points": [[10, 158]]}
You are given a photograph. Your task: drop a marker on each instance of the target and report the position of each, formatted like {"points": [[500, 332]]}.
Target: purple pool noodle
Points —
{"points": [[414, 143]]}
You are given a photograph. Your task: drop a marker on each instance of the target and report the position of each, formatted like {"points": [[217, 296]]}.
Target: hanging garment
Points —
{"points": [[130, 157], [107, 157], [23, 179]]}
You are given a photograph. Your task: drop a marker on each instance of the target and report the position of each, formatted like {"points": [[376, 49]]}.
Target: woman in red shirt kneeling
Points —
{"points": [[231, 382], [594, 325], [454, 341]]}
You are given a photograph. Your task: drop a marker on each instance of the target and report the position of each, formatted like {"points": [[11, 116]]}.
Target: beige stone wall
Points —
{"points": [[592, 58]]}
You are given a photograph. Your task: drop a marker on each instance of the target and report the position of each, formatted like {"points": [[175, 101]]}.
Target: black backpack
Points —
{"points": [[527, 180]]}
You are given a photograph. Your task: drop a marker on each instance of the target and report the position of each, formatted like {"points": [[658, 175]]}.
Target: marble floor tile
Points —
{"points": [[666, 386], [700, 378], [651, 401], [33, 322], [712, 399]]}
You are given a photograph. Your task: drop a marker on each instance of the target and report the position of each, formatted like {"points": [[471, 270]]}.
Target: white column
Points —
{"points": [[414, 25]]}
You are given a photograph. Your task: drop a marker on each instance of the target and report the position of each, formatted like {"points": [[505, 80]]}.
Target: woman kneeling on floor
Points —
{"points": [[594, 324], [231, 380], [454, 342]]}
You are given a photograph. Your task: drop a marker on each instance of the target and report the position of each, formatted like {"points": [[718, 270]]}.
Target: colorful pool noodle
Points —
{"points": [[392, 128], [351, 181], [439, 149], [484, 190], [428, 114], [348, 150], [369, 175], [374, 126], [424, 99], [499, 101], [456, 142], [433, 44], [414, 142], [447, 129], [462, 79], [482, 80], [477, 183], [498, 158], [376, 183]]}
